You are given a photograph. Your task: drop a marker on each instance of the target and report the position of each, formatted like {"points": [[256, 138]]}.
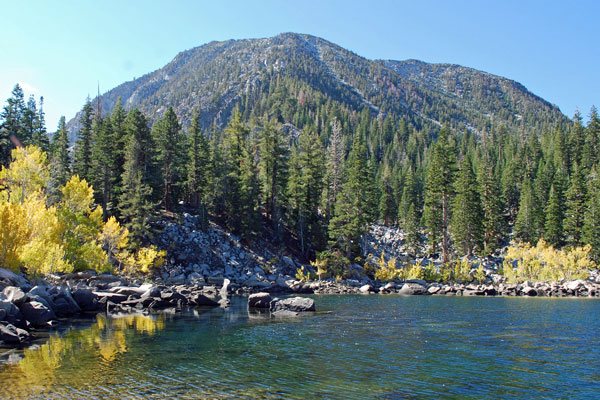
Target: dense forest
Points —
{"points": [[311, 169]]}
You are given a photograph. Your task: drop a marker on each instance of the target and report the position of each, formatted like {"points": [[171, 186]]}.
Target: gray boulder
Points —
{"points": [[13, 278], [42, 292], [259, 300], [15, 295], [12, 335], [11, 312], [64, 304], [295, 304], [37, 313], [413, 289]]}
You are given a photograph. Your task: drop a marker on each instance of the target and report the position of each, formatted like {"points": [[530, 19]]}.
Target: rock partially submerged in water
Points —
{"points": [[259, 300], [293, 304], [286, 307], [12, 335]]}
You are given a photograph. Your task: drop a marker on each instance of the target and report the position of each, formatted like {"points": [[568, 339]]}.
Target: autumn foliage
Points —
{"points": [[69, 235]]}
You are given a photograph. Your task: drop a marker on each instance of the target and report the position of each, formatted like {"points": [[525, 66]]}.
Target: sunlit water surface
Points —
{"points": [[383, 347]]}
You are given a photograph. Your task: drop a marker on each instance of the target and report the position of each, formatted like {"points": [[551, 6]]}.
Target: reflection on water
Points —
{"points": [[102, 342]]}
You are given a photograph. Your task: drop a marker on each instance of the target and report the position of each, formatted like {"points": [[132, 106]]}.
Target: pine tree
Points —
{"points": [[120, 139], [170, 155], [491, 201], [199, 169], [102, 172], [354, 208], [249, 191], [553, 228], [40, 135], [60, 159], [591, 146], [236, 135], [29, 122], [440, 189], [387, 206], [411, 228], [82, 153], [591, 222], [135, 203], [525, 224], [577, 140], [467, 213], [273, 165], [12, 116], [575, 207], [335, 168]]}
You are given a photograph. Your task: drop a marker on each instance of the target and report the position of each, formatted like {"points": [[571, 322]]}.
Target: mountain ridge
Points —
{"points": [[216, 76]]}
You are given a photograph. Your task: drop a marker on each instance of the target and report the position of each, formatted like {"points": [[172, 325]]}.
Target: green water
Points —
{"points": [[382, 347]]}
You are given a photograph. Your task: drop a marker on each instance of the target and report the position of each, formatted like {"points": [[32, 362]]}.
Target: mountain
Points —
{"points": [[217, 76]]}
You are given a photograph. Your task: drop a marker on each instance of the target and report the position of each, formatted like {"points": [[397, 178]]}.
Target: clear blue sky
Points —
{"points": [[61, 49]]}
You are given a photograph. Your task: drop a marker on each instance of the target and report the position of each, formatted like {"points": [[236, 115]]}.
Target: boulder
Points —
{"points": [[295, 304], [42, 292], [115, 298], [151, 292], [13, 278], [259, 300], [37, 313], [574, 285], [11, 312], [434, 289], [86, 299], [529, 291], [15, 295], [203, 300], [366, 289], [12, 335], [412, 289]]}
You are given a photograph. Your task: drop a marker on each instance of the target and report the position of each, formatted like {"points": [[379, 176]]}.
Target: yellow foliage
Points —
{"points": [[113, 237], [544, 263], [14, 234], [28, 173], [303, 275], [77, 196], [387, 271], [146, 259]]}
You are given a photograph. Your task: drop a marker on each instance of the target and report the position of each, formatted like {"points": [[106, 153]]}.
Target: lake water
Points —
{"points": [[380, 347]]}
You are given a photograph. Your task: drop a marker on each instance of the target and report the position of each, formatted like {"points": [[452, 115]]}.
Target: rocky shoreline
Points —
{"points": [[28, 306]]}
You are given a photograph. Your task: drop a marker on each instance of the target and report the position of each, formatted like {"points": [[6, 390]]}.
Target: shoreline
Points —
{"points": [[26, 307]]}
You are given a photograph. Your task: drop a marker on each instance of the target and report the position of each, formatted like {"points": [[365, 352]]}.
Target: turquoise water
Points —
{"points": [[380, 347]]}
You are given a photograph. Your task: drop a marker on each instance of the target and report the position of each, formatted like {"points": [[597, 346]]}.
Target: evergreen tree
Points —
{"points": [[29, 122], [60, 159], [575, 207], [82, 153], [467, 213], [40, 135], [526, 222], [236, 135], [335, 168], [354, 207], [12, 125], [440, 189], [170, 155], [411, 228], [273, 165], [591, 222], [591, 145], [249, 213], [135, 203], [491, 201], [387, 205], [553, 228], [102, 172], [120, 139], [198, 168]]}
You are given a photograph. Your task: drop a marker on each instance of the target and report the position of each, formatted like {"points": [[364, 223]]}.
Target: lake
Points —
{"points": [[380, 347]]}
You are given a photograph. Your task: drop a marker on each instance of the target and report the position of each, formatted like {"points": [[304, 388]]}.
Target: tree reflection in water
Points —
{"points": [[96, 346]]}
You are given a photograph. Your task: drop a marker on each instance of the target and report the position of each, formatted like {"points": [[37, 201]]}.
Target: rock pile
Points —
{"points": [[25, 306]]}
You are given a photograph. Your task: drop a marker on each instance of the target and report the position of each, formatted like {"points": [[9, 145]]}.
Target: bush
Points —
{"points": [[546, 264]]}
